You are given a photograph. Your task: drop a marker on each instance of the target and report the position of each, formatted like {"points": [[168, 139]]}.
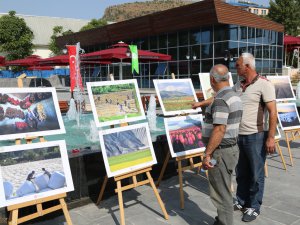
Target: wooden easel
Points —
{"points": [[281, 156], [135, 183], [291, 135], [14, 209], [181, 169]]}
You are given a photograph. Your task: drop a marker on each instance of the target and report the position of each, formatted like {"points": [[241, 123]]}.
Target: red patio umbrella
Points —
{"points": [[291, 43], [120, 53], [40, 68], [28, 61], [2, 61]]}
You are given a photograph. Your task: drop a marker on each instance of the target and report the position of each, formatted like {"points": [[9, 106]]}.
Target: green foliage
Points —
{"points": [[57, 31], [286, 12], [15, 37], [112, 88], [94, 23]]}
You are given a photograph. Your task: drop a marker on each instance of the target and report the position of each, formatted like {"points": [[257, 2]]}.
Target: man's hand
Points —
{"points": [[196, 105], [270, 145], [206, 162]]}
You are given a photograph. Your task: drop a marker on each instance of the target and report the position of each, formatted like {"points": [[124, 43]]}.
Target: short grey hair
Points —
{"points": [[219, 77], [249, 59]]}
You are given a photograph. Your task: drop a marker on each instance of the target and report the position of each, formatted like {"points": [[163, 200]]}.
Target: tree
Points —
{"points": [[286, 12], [57, 31], [94, 23], [15, 37]]}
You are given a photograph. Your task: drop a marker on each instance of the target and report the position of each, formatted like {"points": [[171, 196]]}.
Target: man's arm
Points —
{"points": [[202, 103], [214, 141], [270, 142]]}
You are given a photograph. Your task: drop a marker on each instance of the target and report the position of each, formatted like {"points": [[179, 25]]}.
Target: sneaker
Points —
{"points": [[237, 206], [250, 214]]}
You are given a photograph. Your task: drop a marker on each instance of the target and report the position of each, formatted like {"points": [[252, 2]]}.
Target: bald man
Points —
{"points": [[220, 133]]}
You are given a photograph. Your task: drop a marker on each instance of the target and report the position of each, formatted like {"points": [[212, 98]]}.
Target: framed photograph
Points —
{"points": [[27, 112], [126, 149], [115, 102], [288, 116], [176, 96], [184, 134], [207, 90], [283, 87], [277, 135], [33, 171]]}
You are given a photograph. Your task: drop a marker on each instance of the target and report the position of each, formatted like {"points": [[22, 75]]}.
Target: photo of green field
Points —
{"points": [[129, 160], [116, 102], [176, 96], [127, 149]]}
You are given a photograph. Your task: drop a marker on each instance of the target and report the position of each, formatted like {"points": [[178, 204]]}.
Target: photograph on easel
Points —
{"points": [[283, 87], [115, 102], [184, 134], [176, 96], [207, 90], [29, 112], [288, 116], [32, 171], [125, 149]]}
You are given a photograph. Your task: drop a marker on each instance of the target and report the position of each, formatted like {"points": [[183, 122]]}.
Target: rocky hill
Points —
{"points": [[127, 11]]}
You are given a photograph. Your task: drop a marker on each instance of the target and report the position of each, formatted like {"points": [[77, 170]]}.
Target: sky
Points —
{"points": [[79, 9]]}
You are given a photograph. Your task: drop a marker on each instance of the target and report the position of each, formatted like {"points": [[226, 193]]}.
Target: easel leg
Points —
{"points": [[280, 153], [289, 148], [161, 204], [65, 210], [102, 190], [266, 169], [120, 197], [180, 185], [13, 217], [163, 169]]}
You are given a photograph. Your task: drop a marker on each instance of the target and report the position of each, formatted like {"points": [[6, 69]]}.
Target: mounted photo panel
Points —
{"points": [[126, 149], [207, 90], [184, 134], [27, 112], [115, 102], [288, 116], [176, 96], [33, 171], [283, 88]]}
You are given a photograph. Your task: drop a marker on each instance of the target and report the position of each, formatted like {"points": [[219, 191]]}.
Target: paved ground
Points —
{"points": [[281, 202]]}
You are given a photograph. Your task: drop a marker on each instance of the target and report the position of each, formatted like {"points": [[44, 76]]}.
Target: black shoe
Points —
{"points": [[216, 221], [250, 214], [237, 206]]}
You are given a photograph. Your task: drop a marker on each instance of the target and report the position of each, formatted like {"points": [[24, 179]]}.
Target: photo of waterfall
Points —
{"points": [[29, 111], [288, 116], [126, 148]]}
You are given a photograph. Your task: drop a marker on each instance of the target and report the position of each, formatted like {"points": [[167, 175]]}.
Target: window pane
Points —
{"points": [[280, 38], [259, 36], [243, 36], [206, 65], [279, 53], [242, 47], [221, 49], [207, 34], [153, 42], [172, 40], [195, 51], [183, 38], [221, 33], [183, 52], [163, 41], [173, 67], [206, 51], [183, 67], [145, 44], [195, 37], [266, 51], [258, 51], [173, 53], [266, 37], [195, 67]]}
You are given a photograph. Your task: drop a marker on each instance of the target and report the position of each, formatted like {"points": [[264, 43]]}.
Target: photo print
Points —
{"points": [[184, 134], [33, 171], [176, 96], [125, 149], [29, 112], [207, 90], [283, 87], [288, 116], [115, 102]]}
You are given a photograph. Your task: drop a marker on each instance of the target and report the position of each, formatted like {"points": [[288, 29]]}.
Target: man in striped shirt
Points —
{"points": [[220, 133]]}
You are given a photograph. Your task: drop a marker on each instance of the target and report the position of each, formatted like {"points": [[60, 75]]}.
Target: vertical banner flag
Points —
{"points": [[72, 62], [134, 58]]}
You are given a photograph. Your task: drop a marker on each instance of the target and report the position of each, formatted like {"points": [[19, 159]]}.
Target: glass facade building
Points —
{"points": [[195, 51]]}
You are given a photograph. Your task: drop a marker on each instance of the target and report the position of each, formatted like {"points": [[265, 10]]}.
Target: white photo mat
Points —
{"points": [[283, 87], [130, 168], [64, 163], [288, 116], [176, 82], [205, 84], [197, 117], [17, 135], [90, 85]]}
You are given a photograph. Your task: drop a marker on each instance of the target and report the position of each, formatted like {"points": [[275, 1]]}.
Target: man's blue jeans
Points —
{"points": [[250, 174]]}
